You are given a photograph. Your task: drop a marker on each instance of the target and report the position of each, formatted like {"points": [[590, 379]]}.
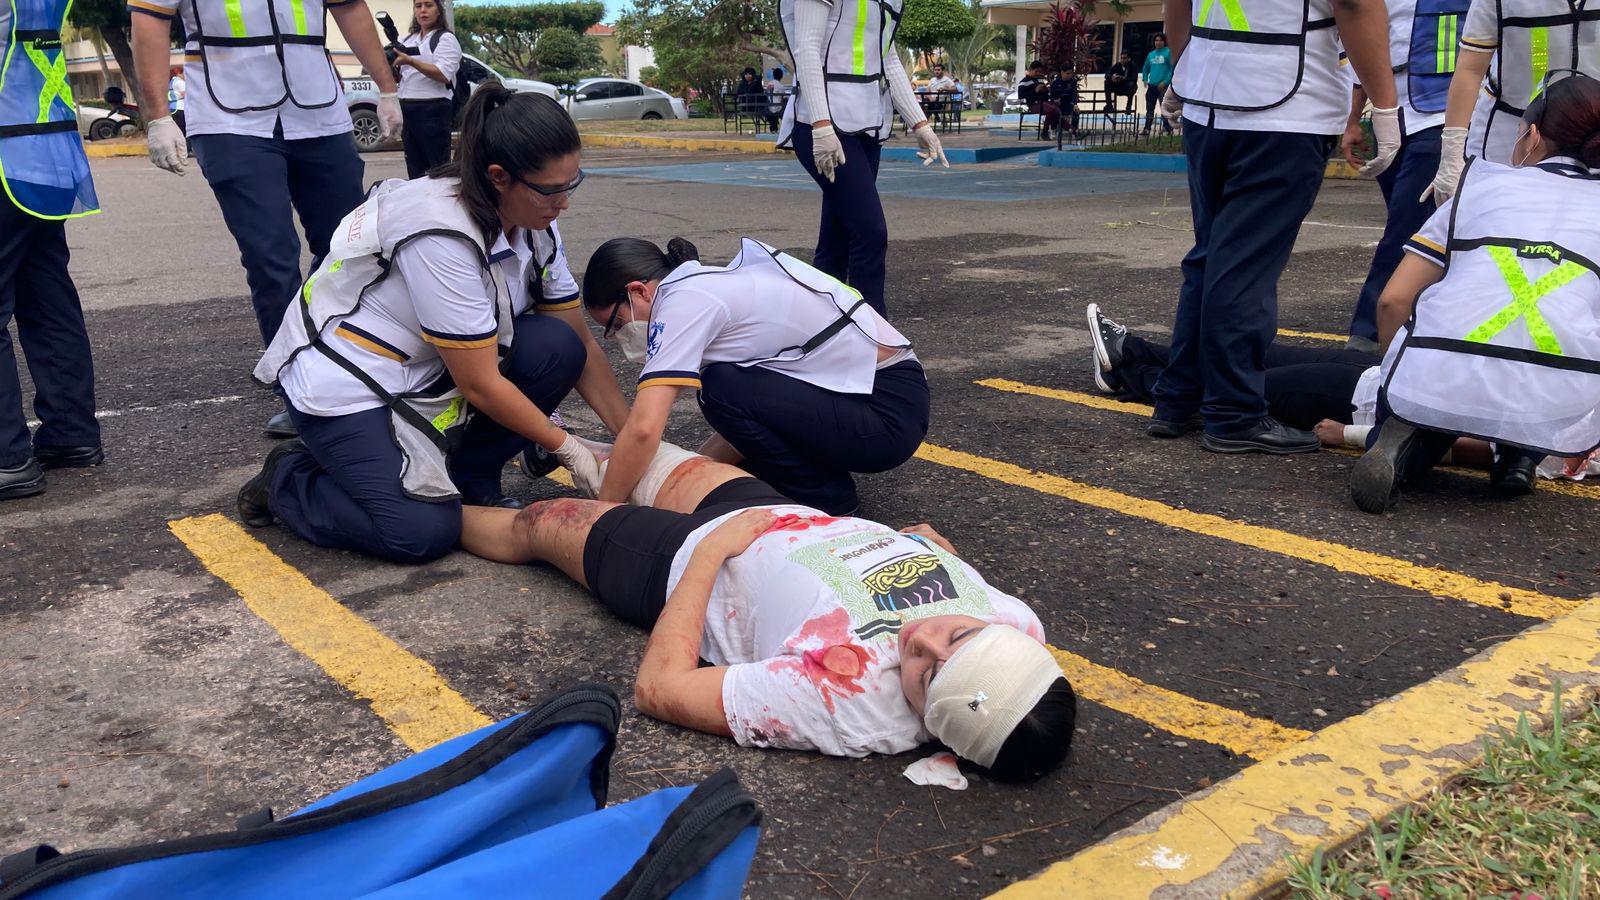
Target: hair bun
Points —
{"points": [[680, 251], [1590, 154]]}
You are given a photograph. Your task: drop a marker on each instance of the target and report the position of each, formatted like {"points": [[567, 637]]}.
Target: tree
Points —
{"points": [[929, 24], [563, 56], [507, 36], [109, 18], [703, 44], [967, 57]]}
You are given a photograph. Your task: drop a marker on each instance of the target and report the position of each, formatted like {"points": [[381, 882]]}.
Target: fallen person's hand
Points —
{"points": [[580, 461], [735, 535], [167, 145], [925, 530], [932, 151], [826, 151], [1386, 131]]}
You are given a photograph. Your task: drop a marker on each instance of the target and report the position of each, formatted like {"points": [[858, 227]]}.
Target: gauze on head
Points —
{"points": [[985, 689]]}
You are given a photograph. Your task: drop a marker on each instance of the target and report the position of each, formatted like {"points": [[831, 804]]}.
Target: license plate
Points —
{"points": [[359, 84]]}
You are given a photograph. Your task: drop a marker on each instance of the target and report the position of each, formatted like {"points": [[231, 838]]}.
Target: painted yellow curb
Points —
{"points": [[108, 151], [1338, 168], [650, 141], [1237, 839]]}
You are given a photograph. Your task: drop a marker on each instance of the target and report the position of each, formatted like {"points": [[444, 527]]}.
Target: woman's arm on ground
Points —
{"points": [[476, 372], [671, 686], [637, 442], [925, 530], [1399, 297], [598, 384]]}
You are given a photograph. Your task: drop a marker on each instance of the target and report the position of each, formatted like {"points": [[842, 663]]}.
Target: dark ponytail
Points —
{"points": [[1568, 116], [1041, 740], [520, 131], [621, 261]]}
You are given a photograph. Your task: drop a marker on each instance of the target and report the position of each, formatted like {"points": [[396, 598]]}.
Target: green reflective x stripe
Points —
{"points": [[858, 45], [1539, 56], [447, 418], [1446, 48], [55, 79], [1230, 8], [306, 291], [299, 8], [235, 18], [1525, 299]]}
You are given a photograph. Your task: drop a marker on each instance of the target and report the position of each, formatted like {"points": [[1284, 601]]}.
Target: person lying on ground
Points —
{"points": [[839, 635]]}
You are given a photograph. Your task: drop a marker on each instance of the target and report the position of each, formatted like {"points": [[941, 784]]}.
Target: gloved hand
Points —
{"points": [[167, 146], [1452, 159], [1386, 131], [389, 115], [1171, 106], [580, 461], [932, 151], [826, 150]]}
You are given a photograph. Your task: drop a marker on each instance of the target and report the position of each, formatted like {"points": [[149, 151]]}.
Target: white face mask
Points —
{"points": [[634, 339]]}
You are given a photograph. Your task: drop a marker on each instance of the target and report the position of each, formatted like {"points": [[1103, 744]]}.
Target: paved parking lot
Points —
{"points": [[163, 671]]}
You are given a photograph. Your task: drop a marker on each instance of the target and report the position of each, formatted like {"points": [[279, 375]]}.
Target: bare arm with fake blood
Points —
{"points": [[671, 685]]}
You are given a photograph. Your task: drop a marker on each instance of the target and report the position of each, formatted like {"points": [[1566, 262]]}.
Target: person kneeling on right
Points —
{"points": [[833, 634]]}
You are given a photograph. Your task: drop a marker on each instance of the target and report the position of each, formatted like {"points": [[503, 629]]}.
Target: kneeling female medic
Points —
{"points": [[839, 635], [801, 380], [433, 342]]}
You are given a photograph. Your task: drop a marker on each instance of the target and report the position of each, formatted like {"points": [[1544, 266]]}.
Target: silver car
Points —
{"points": [[361, 95], [615, 98]]}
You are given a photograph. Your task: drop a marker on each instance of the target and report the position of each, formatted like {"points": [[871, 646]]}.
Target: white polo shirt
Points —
{"points": [[416, 86], [1321, 105], [314, 84], [436, 296]]}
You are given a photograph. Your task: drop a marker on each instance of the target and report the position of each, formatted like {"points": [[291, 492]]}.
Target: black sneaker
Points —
{"points": [[281, 426], [1375, 478], [537, 462], [1107, 337], [1513, 478], [22, 480], [1167, 429], [252, 500], [1269, 436], [499, 501], [68, 457]]}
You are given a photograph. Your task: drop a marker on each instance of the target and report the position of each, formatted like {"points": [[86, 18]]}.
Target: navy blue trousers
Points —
{"points": [[344, 489], [37, 292], [1248, 193], [853, 239], [260, 183], [1402, 183], [805, 441]]}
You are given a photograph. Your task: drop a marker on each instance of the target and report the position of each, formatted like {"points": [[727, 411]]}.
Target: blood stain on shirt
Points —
{"points": [[793, 522], [834, 664]]}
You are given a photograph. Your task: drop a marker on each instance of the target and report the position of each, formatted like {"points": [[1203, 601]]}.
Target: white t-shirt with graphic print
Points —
{"points": [[808, 622]]}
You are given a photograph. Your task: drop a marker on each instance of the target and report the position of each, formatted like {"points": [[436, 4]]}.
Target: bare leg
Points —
{"points": [[552, 531]]}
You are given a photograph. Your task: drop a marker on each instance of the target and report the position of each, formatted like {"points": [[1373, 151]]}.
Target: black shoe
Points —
{"points": [[1107, 337], [252, 502], [1269, 436], [499, 501], [22, 480], [1375, 478], [281, 426], [68, 457], [1165, 428], [538, 462], [1513, 478]]}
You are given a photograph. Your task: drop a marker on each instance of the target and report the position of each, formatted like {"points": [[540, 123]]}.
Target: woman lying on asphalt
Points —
{"points": [[833, 634]]}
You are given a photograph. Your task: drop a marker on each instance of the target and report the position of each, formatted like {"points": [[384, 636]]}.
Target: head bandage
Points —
{"points": [[985, 689]]}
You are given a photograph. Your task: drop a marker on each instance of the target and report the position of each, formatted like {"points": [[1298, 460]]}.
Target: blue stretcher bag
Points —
{"points": [[512, 809]]}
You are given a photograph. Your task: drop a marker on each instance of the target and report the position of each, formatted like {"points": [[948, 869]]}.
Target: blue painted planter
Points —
{"points": [[1132, 162], [963, 155]]}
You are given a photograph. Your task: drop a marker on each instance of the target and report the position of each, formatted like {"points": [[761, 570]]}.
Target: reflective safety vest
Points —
{"points": [[1247, 54], [860, 35], [259, 54], [427, 424], [1435, 30], [42, 164], [1506, 346], [1536, 38]]}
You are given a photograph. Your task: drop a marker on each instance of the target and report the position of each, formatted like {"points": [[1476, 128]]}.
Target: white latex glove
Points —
{"points": [[826, 150], [580, 461], [167, 146], [1386, 131], [1452, 159], [932, 151], [1171, 105], [389, 115]]}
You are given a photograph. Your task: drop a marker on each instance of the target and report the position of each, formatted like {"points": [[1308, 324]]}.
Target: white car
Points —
{"points": [[616, 98], [361, 95]]}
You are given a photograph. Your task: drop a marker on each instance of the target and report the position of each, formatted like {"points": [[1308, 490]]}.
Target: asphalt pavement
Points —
{"points": [[1215, 608]]}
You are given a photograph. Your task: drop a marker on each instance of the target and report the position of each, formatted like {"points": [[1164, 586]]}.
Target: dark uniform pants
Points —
{"points": [[1402, 184], [344, 489], [260, 183], [805, 441], [37, 292], [426, 134], [853, 239], [1248, 192]]}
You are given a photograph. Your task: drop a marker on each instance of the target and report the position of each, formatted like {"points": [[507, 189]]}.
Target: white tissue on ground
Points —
{"points": [[1557, 467], [940, 769]]}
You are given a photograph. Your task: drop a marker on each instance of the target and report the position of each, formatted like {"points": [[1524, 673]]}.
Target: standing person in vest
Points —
{"points": [[1264, 98], [1493, 319], [802, 382], [176, 88], [849, 84], [269, 125], [1422, 51], [439, 295], [45, 177], [1507, 49], [427, 87]]}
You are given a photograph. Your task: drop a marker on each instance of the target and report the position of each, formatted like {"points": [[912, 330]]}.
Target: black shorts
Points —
{"points": [[629, 553]]}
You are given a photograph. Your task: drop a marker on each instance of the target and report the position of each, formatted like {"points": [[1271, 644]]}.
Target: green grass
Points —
{"points": [[1165, 143], [1524, 823]]}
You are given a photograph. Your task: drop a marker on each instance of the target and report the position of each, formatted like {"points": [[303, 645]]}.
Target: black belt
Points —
{"points": [[265, 40], [7, 131]]}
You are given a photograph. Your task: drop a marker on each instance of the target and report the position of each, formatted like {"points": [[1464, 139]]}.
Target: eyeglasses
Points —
{"points": [[611, 323], [557, 193]]}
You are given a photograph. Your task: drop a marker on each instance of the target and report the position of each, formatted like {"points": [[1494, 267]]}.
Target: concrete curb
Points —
{"points": [[111, 151], [650, 141], [1238, 838]]}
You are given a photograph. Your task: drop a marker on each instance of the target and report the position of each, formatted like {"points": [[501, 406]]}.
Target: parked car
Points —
{"points": [[615, 98], [361, 95]]}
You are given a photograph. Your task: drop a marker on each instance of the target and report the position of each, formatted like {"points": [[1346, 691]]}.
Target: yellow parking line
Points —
{"points": [[1240, 838], [1313, 335], [1093, 401], [1439, 582], [406, 692], [1173, 712]]}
